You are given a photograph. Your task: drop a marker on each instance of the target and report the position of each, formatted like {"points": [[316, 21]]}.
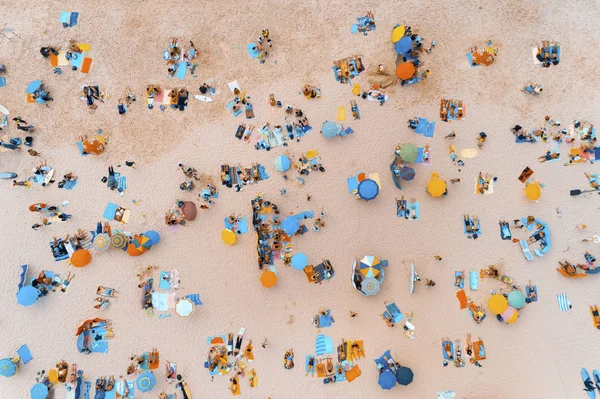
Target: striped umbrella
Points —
{"points": [[119, 241], [407, 173], [370, 286], [102, 242]]}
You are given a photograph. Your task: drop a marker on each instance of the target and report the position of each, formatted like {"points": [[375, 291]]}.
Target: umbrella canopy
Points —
{"points": [[409, 152], [268, 279], [119, 241], [368, 189], [405, 70], [403, 45], [282, 163], [512, 318], [329, 129], [102, 242], [404, 376], [34, 86], [508, 313], [7, 367], [189, 210], [27, 295], [398, 33], [533, 191], [290, 225], [145, 382], [370, 286], [299, 261], [142, 243], [228, 237], [81, 258], [497, 303], [132, 250], [184, 307], [39, 391], [516, 299], [387, 380], [436, 186], [153, 236], [407, 173], [370, 266]]}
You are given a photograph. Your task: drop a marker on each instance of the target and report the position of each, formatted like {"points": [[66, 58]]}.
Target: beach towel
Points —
{"points": [[324, 345], [24, 354], [473, 281], [87, 63], [195, 298], [425, 127], [563, 302], [462, 299], [181, 70]]}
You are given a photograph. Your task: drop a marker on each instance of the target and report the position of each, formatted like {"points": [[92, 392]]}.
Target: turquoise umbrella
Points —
{"points": [[290, 225], [329, 129], [39, 391], [516, 299], [299, 261], [27, 295], [282, 163], [34, 86]]}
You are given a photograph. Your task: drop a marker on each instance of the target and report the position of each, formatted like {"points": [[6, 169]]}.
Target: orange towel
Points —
{"points": [[30, 99], [462, 299], [87, 62], [53, 60], [353, 373]]}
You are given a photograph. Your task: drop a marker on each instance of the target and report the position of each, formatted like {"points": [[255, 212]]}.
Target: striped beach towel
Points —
{"points": [[563, 302]]}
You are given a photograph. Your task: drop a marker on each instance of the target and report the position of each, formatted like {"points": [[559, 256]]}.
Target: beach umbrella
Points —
{"points": [[387, 380], [370, 286], [282, 163], [27, 295], [132, 250], [404, 376], [7, 367], [299, 261], [497, 304], [405, 70], [119, 241], [228, 237], [268, 279], [370, 266], [81, 258], [142, 243], [34, 86], [398, 33], [407, 173], [39, 391], [329, 129], [436, 186], [189, 210], [403, 45], [533, 191], [153, 236], [409, 152], [102, 242], [516, 299], [368, 189], [513, 318], [290, 225], [145, 382], [508, 313], [184, 307]]}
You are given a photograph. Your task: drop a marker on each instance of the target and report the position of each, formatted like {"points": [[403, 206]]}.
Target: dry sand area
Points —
{"points": [[540, 356]]}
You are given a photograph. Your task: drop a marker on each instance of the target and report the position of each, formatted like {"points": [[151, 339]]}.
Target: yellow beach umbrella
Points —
{"points": [[436, 186], [513, 318], [497, 304], [533, 191], [228, 237], [398, 33]]}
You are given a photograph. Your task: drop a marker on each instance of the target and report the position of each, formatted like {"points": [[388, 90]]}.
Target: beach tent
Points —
{"points": [[282, 163], [405, 71], [370, 286], [8, 368], [407, 173], [299, 261], [145, 382], [533, 191], [268, 279], [27, 295], [404, 376], [184, 307], [387, 380], [409, 152], [368, 189], [228, 237], [290, 225], [516, 299], [497, 304], [436, 186], [370, 266], [81, 258], [189, 210]]}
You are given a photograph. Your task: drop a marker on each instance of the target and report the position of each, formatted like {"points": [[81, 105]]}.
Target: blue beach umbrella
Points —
{"points": [[407, 173], [282, 163], [404, 376], [387, 380], [145, 382], [368, 189], [329, 129], [7, 368], [27, 295], [290, 225], [299, 261], [34, 86], [403, 45], [39, 391], [153, 236]]}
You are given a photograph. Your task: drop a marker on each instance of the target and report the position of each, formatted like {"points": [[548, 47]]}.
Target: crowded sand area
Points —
{"points": [[539, 356]]}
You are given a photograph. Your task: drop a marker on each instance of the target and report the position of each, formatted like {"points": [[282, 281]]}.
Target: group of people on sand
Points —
{"points": [[547, 54], [177, 54]]}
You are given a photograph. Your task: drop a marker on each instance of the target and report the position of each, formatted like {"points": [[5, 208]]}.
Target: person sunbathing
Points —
{"points": [[536, 237], [568, 268]]}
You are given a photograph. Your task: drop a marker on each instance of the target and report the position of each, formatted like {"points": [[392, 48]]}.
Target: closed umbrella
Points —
{"points": [[153, 236], [387, 380], [516, 299], [7, 367], [407, 173], [81, 258], [39, 391], [404, 376], [329, 129], [268, 279], [282, 163], [436, 186], [184, 307], [290, 225], [533, 191], [370, 286], [299, 261], [34, 86], [228, 237], [405, 70], [119, 240], [497, 304], [368, 189], [189, 210], [403, 45], [409, 152], [102, 242], [27, 295], [145, 382]]}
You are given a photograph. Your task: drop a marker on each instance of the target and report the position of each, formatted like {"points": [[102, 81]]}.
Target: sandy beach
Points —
{"points": [[539, 356]]}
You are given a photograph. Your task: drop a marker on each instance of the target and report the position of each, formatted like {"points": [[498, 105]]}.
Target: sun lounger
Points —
{"points": [[526, 250]]}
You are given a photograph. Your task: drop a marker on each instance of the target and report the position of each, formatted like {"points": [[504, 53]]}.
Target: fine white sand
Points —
{"points": [[539, 356]]}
